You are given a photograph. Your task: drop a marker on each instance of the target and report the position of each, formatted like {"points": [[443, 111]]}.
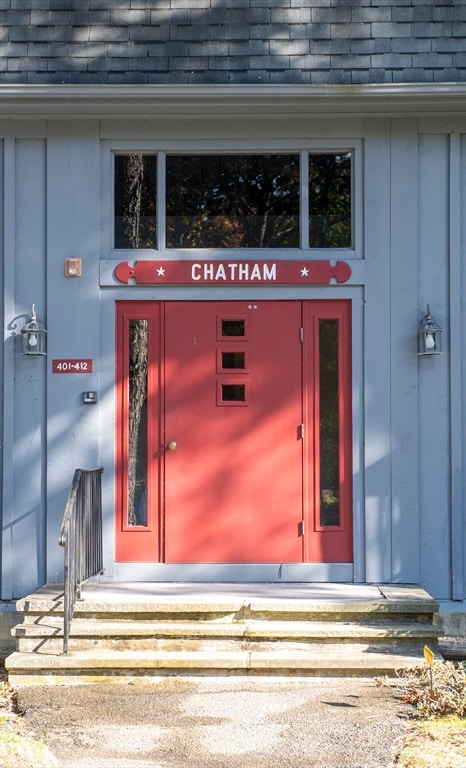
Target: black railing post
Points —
{"points": [[81, 536]]}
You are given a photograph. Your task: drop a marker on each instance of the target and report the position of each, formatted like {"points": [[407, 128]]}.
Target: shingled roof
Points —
{"points": [[208, 42]]}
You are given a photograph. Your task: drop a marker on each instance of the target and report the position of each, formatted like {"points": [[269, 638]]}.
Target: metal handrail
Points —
{"points": [[81, 536]]}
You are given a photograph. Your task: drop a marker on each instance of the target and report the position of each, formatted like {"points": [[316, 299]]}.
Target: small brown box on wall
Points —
{"points": [[73, 267]]}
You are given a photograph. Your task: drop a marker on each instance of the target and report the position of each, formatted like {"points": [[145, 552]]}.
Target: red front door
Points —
{"points": [[233, 432], [233, 405]]}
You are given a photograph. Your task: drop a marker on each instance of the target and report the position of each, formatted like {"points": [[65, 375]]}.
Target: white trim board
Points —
{"points": [[81, 101]]}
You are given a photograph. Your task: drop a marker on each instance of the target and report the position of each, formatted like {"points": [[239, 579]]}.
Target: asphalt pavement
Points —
{"points": [[219, 723]]}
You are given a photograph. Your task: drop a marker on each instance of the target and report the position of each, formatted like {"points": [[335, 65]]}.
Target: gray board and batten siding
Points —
{"points": [[407, 412], [410, 208], [231, 42]]}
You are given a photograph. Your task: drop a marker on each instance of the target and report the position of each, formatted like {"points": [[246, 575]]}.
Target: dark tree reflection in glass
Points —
{"points": [[329, 423], [135, 201], [233, 327], [233, 201], [232, 360], [330, 201], [234, 393], [137, 426]]}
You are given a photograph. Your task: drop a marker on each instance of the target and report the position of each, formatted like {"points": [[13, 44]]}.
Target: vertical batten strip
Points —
{"points": [[456, 344], [404, 422], [9, 245], [376, 395]]}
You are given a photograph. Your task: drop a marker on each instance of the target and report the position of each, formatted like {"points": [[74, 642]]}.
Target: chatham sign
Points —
{"points": [[232, 272]]}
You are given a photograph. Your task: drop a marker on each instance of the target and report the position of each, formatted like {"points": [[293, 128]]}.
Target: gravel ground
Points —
{"points": [[218, 723]]}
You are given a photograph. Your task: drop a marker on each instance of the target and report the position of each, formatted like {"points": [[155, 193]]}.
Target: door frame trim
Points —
{"points": [[295, 571]]}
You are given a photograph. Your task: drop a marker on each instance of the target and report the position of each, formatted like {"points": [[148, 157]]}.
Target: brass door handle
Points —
{"points": [[172, 445]]}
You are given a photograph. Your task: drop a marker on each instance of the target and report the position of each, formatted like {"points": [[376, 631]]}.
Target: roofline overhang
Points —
{"points": [[145, 101]]}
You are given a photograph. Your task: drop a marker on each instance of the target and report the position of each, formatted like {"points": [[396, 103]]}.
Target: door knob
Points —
{"points": [[172, 445]]}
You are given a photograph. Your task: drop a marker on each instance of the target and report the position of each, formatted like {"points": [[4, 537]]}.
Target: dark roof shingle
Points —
{"points": [[231, 41]]}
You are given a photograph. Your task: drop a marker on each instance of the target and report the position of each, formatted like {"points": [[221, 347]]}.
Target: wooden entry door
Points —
{"points": [[233, 406], [234, 432]]}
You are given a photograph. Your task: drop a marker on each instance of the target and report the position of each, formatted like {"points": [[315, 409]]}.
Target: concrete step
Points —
{"points": [[46, 635], [125, 666], [126, 631], [99, 602]]}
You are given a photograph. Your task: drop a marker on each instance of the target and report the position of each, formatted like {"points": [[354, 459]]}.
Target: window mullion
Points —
{"points": [[161, 201], [304, 197]]}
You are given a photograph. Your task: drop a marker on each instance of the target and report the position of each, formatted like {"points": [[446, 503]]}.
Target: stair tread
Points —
{"points": [[251, 628], [382, 606], [179, 598], [96, 659]]}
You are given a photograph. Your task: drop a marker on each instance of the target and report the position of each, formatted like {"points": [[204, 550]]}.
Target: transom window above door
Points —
{"points": [[177, 201]]}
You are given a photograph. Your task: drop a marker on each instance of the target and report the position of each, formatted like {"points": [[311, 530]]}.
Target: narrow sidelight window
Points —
{"points": [[329, 423], [137, 422]]}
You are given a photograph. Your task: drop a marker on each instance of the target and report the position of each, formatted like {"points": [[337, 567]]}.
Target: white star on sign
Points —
{"points": [[304, 272], [161, 271]]}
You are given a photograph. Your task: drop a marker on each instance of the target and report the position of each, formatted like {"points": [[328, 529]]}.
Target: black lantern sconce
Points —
{"points": [[429, 336], [34, 336]]}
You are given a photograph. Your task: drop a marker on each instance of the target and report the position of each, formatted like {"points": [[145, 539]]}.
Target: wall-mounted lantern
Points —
{"points": [[34, 336], [428, 336]]}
